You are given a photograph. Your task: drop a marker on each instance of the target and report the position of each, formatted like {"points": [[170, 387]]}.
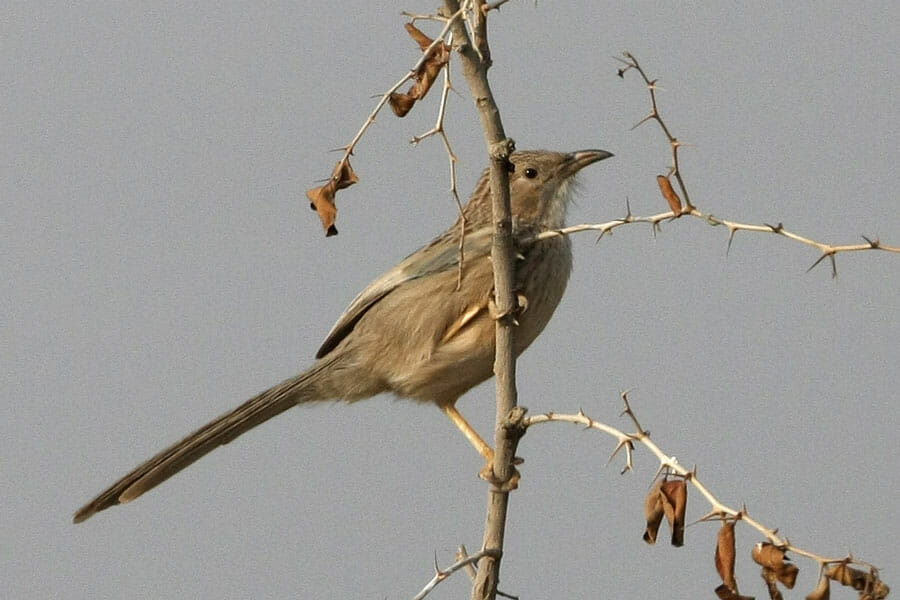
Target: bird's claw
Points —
{"points": [[507, 485]]}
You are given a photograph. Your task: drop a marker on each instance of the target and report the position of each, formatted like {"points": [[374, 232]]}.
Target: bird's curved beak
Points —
{"points": [[580, 159]]}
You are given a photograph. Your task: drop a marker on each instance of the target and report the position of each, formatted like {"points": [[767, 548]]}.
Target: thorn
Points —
{"points": [[649, 117], [713, 514], [775, 228], [461, 552], [659, 471], [872, 243], [730, 239], [820, 259], [627, 208], [619, 446], [826, 254]]}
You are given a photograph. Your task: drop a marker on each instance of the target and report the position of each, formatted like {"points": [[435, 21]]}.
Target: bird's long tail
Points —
{"points": [[261, 408]]}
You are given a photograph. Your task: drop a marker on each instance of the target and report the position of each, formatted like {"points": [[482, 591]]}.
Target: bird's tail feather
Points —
{"points": [[221, 430]]}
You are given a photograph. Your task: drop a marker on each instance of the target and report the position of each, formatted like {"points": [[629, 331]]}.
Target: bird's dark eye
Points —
{"points": [[530, 173]]}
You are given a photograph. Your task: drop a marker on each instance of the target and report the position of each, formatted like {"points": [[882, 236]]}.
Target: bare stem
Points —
{"points": [[475, 58], [439, 39], [442, 574], [670, 464], [828, 251]]}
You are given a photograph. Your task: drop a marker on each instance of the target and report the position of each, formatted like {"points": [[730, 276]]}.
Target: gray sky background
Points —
{"points": [[162, 265]]}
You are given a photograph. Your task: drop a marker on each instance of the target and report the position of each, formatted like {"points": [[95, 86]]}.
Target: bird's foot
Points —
{"points": [[501, 485]]}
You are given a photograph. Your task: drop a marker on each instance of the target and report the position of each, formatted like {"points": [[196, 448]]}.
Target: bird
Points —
{"points": [[423, 330]]}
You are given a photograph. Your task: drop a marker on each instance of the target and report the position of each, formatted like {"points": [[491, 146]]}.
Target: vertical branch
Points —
{"points": [[475, 63]]}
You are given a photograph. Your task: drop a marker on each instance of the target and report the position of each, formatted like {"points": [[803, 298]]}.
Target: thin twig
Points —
{"points": [[474, 52], [828, 251], [426, 54], [632, 63], [671, 464], [825, 250], [442, 574]]}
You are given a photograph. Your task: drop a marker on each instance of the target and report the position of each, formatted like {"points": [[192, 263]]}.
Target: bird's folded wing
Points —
{"points": [[463, 320], [438, 256]]}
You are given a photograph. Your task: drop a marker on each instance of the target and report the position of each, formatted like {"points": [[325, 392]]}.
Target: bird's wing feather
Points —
{"points": [[434, 258]]}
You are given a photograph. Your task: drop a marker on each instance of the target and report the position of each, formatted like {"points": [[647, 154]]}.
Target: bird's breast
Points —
{"points": [[541, 278]]}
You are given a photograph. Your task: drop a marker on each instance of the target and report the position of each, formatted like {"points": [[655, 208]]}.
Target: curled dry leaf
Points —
{"points": [[401, 103], [725, 554], [770, 556], [425, 75], [674, 497], [653, 513], [822, 591], [726, 593], [861, 581], [771, 579], [668, 192], [321, 199]]}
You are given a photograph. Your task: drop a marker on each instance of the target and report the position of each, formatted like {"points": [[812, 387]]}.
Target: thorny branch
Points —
{"points": [[689, 209], [826, 250], [426, 54], [464, 561], [671, 466], [473, 23], [442, 574], [435, 57], [474, 52]]}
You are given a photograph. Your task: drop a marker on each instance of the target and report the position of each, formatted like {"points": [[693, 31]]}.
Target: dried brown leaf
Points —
{"points": [[847, 575], [726, 593], [772, 557], [343, 175], [668, 192], [768, 555], [674, 495], [771, 579], [725, 554], [322, 198], [418, 37], [787, 575], [425, 75], [653, 513], [401, 103], [858, 579]]}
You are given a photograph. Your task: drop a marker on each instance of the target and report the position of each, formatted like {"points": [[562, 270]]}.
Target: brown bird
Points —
{"points": [[412, 332]]}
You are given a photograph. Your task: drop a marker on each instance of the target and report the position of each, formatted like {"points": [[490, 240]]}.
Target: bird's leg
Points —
{"points": [[487, 473], [476, 440]]}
